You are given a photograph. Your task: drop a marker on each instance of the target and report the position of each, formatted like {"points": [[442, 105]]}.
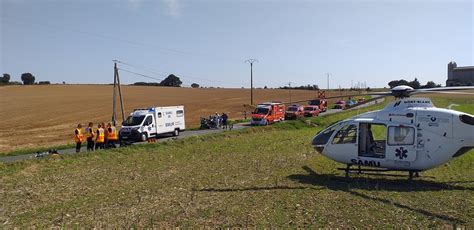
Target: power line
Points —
{"points": [[107, 37], [154, 71], [139, 74]]}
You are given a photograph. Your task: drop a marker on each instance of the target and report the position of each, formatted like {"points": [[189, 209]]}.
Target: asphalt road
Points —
{"points": [[185, 134]]}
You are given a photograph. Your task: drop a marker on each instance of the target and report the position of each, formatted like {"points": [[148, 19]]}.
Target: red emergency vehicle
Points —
{"points": [[321, 101], [268, 113]]}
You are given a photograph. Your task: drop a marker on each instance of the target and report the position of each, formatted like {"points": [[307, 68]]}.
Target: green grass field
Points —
{"points": [[264, 177]]}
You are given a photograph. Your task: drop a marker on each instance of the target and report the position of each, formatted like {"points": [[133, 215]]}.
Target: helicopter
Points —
{"points": [[410, 134]]}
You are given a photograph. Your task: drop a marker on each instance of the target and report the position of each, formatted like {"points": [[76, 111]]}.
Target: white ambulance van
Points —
{"points": [[145, 123]]}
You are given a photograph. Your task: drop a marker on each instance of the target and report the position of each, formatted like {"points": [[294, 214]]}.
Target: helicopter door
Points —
{"points": [[372, 140], [401, 143]]}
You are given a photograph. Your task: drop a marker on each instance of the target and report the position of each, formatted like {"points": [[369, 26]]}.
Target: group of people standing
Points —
{"points": [[100, 138], [220, 120]]}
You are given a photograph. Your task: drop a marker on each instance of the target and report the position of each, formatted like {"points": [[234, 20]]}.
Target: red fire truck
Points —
{"points": [[320, 101]]}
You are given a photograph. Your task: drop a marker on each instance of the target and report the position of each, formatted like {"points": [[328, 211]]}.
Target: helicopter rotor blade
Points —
{"points": [[448, 88], [445, 89], [367, 101], [342, 96], [362, 94], [444, 92]]}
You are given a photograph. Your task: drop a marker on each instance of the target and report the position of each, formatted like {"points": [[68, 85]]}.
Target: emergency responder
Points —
{"points": [[111, 136], [105, 135], [90, 137], [100, 137], [78, 137]]}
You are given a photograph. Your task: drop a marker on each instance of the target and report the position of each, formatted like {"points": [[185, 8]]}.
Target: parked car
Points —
{"points": [[361, 100], [311, 111], [340, 105], [294, 112], [350, 103]]}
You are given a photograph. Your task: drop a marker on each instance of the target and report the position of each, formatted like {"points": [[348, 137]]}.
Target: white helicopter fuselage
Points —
{"points": [[418, 136]]}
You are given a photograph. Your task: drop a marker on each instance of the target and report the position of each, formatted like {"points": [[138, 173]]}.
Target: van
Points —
{"points": [[142, 124], [268, 113]]}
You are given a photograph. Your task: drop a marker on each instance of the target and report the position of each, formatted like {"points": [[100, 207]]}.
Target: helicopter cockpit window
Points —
{"points": [[467, 119], [401, 135], [322, 138], [346, 135]]}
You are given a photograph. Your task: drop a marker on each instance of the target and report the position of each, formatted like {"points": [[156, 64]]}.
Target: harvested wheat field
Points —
{"points": [[41, 116]]}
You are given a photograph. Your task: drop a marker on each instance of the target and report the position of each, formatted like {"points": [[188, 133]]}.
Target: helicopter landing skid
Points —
{"points": [[360, 170]]}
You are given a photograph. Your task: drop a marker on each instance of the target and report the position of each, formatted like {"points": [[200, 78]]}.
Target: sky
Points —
{"points": [[208, 41]]}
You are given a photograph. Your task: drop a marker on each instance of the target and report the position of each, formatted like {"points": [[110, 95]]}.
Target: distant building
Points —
{"points": [[460, 76]]}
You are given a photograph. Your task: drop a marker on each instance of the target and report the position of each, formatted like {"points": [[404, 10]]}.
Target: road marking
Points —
{"points": [[451, 105]]}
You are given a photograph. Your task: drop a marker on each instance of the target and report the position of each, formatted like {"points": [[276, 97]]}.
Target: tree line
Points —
{"points": [[303, 87], [26, 79], [170, 81], [415, 84]]}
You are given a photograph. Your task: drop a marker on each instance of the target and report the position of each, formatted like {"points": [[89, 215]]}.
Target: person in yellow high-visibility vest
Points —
{"points": [[112, 136], [89, 132], [100, 137], [78, 137], [106, 137]]}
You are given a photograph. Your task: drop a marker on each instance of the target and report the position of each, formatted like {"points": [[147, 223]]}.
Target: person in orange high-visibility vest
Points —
{"points": [[99, 138], [106, 135], [78, 137], [89, 132], [112, 136]]}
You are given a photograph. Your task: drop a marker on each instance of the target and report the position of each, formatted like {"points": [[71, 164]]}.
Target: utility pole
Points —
{"points": [[289, 88], [251, 61], [328, 74], [115, 89]]}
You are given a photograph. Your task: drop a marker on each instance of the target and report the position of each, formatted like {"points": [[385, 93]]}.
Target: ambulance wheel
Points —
{"points": [[143, 137], [176, 132]]}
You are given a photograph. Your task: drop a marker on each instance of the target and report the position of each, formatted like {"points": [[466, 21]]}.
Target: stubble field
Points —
{"points": [[43, 116]]}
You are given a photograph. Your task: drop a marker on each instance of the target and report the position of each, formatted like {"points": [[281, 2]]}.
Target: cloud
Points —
{"points": [[173, 7]]}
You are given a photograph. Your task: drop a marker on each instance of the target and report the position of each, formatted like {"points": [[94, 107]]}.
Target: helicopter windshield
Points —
{"points": [[322, 138]]}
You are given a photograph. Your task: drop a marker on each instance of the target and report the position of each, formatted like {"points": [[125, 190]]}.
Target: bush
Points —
{"points": [[5, 79], [28, 79], [171, 81]]}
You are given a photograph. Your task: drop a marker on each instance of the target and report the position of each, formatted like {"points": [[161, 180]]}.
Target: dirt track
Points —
{"points": [[34, 116]]}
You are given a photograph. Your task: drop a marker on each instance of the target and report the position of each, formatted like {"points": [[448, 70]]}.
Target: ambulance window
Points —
{"points": [[179, 113], [346, 135], [148, 121], [398, 135], [159, 115]]}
